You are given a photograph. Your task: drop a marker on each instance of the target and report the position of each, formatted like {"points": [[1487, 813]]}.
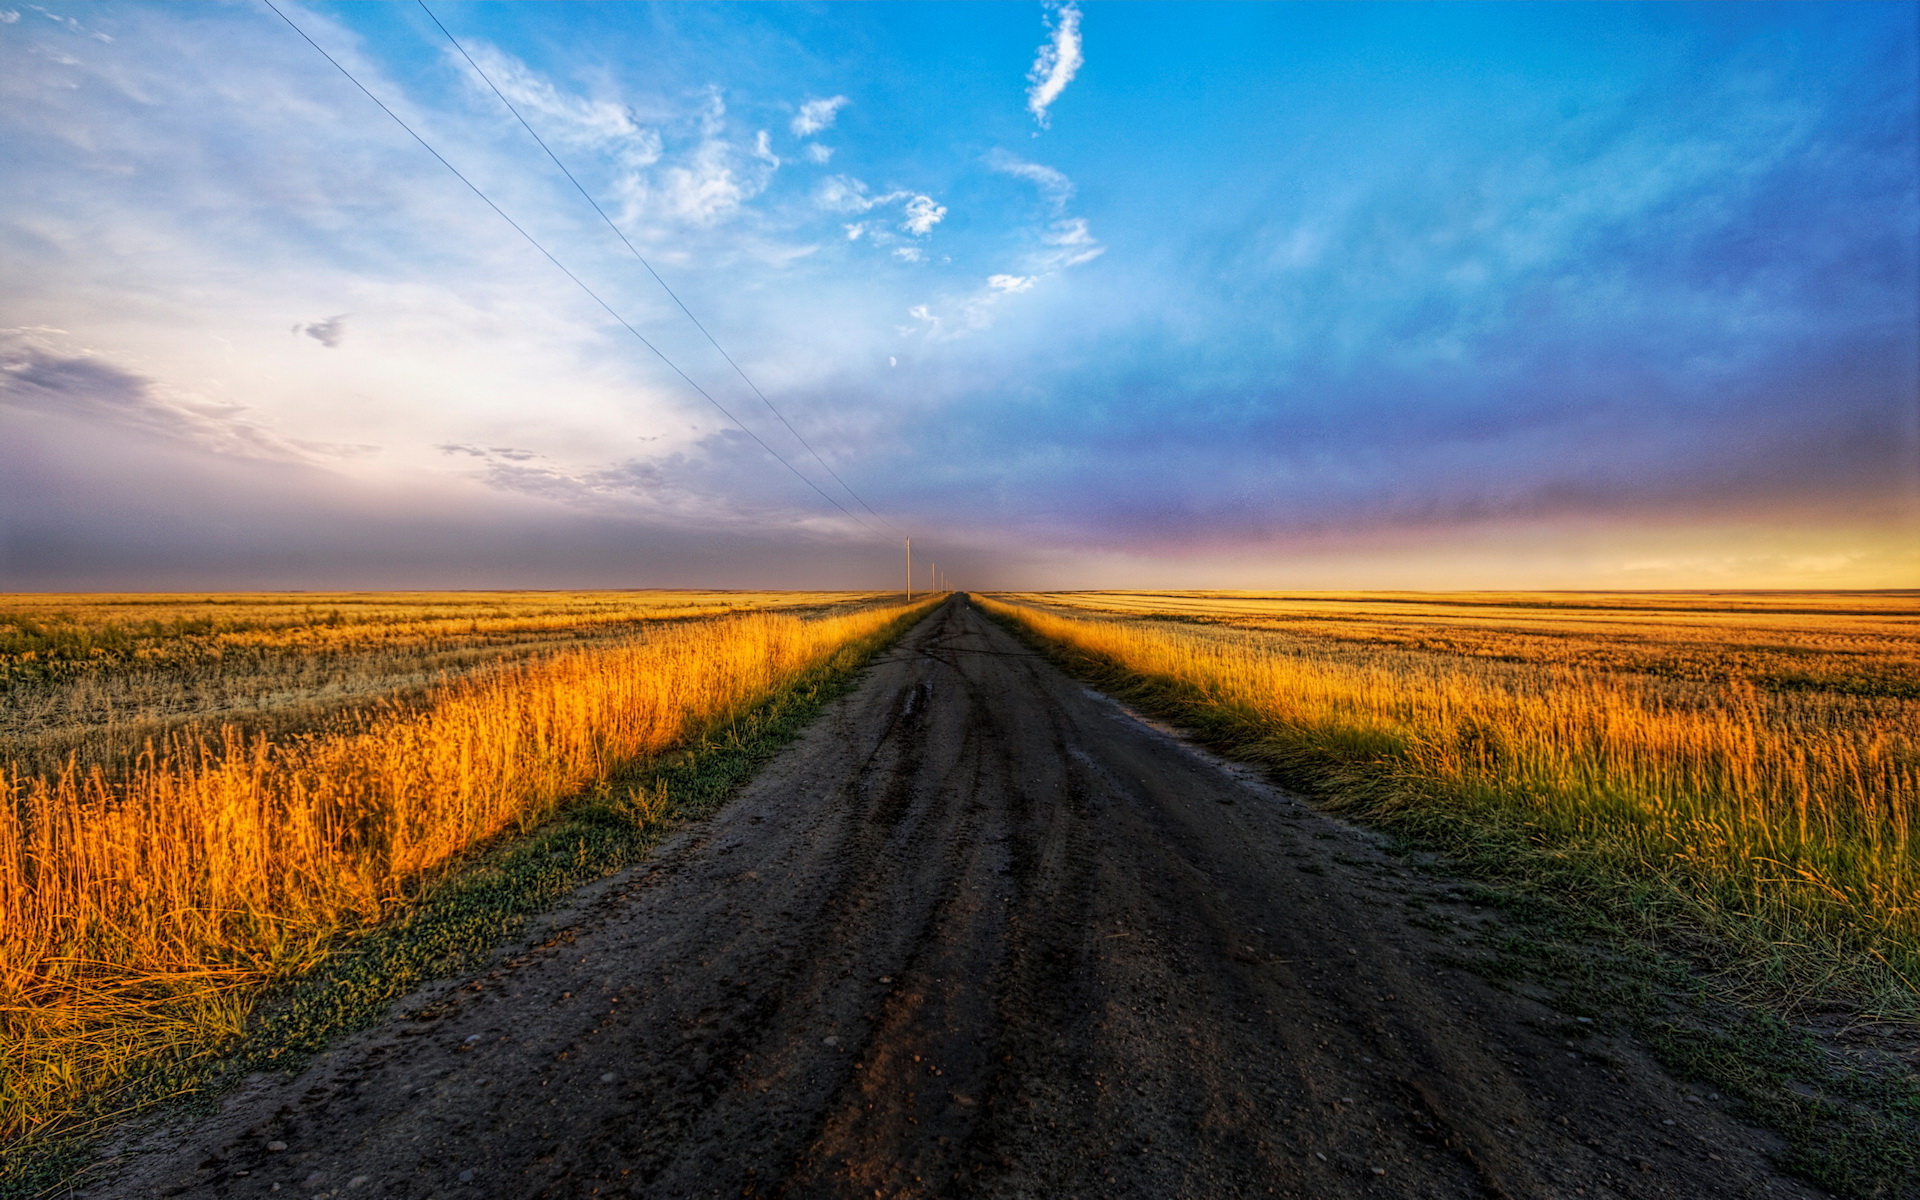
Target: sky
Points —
{"points": [[1076, 295]]}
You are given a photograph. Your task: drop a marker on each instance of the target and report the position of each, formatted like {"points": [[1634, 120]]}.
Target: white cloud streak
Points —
{"points": [[1056, 64], [1054, 186], [816, 115], [581, 121]]}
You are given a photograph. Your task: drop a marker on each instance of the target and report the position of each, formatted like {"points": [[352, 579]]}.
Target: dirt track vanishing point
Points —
{"points": [[977, 932]]}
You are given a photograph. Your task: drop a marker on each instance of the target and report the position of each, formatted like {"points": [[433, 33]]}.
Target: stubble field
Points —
{"points": [[199, 797], [1742, 768]]}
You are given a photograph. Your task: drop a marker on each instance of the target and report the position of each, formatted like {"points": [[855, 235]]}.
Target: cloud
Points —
{"points": [[1068, 239], [1053, 247], [698, 184], [1053, 185], [708, 187], [816, 153], [816, 115], [605, 124], [1057, 63], [674, 489], [845, 194], [1465, 307], [38, 376], [10, 17], [1072, 244], [922, 215], [329, 333]]}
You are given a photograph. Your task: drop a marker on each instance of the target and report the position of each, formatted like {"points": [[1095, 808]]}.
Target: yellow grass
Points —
{"points": [[99, 676], [220, 859], [1753, 759]]}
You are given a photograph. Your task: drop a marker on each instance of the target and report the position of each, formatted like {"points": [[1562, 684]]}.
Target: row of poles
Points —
{"points": [[936, 581]]}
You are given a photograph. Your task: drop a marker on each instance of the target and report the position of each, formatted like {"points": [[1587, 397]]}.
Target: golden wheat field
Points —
{"points": [[1749, 762], [98, 676], [197, 795]]}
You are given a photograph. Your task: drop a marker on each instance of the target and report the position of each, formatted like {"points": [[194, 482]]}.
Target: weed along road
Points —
{"points": [[978, 931]]}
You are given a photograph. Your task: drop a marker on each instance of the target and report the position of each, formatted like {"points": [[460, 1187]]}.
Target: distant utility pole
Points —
{"points": [[909, 570], [933, 577]]}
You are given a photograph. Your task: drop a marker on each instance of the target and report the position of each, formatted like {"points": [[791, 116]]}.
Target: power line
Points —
{"points": [[617, 232], [531, 240]]}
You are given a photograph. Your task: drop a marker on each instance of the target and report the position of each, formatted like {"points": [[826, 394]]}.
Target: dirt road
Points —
{"points": [[980, 932]]}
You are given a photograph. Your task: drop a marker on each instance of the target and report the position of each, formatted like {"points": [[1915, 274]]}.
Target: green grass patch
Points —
{"points": [[458, 921]]}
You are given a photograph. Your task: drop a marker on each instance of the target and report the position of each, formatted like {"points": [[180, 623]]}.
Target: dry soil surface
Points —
{"points": [[979, 931]]}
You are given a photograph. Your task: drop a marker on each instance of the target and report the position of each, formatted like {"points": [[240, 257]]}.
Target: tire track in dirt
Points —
{"points": [[977, 932]]}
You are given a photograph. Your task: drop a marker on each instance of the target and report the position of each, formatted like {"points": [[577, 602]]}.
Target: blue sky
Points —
{"points": [[1241, 295]]}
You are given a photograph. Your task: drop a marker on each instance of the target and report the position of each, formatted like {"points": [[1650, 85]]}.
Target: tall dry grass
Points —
{"points": [[142, 907], [97, 677], [1780, 818]]}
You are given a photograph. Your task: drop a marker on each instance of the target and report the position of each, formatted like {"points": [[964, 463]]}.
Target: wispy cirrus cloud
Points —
{"points": [[685, 166], [599, 122], [1058, 61], [1054, 186], [1066, 241]]}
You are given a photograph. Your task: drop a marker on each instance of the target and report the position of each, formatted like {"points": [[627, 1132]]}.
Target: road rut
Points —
{"points": [[979, 931]]}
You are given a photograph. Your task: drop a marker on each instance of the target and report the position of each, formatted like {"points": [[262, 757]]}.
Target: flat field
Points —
{"points": [[1740, 765], [200, 795], [97, 676]]}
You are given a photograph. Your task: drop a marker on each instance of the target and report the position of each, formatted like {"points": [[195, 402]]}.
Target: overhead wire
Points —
{"points": [[635, 251], [534, 242]]}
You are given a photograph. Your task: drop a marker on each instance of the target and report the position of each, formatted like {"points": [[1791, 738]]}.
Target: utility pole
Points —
{"points": [[909, 570], [933, 577]]}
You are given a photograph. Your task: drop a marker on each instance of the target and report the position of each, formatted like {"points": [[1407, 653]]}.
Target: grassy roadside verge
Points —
{"points": [[459, 920], [1597, 941]]}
